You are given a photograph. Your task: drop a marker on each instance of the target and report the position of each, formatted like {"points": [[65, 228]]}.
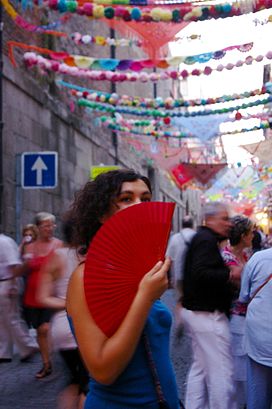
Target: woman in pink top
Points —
{"points": [[36, 257]]}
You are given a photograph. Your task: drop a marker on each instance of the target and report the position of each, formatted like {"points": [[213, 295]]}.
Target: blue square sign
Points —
{"points": [[39, 170]]}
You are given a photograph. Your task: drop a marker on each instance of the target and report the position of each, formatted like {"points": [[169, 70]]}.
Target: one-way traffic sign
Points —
{"points": [[39, 170]]}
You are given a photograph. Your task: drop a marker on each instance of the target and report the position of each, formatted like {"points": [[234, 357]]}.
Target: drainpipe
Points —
{"points": [[113, 89], [1, 118]]}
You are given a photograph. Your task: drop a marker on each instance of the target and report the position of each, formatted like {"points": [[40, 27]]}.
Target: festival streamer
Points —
{"points": [[83, 61], [32, 59]]}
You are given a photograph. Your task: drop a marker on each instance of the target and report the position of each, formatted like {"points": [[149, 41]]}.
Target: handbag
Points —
{"points": [[160, 397]]}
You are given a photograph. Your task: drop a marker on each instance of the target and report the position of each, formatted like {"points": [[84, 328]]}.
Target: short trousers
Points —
{"points": [[35, 317]]}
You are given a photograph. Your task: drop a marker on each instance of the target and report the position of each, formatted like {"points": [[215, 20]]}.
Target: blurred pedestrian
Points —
{"points": [[131, 368], [37, 255], [29, 234], [235, 256], [207, 297], [256, 290], [13, 329], [177, 247], [52, 294]]}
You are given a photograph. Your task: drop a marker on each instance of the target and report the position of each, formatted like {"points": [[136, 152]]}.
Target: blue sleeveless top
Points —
{"points": [[134, 388]]}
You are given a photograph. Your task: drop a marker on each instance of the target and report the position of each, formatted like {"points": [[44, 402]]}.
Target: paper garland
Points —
{"points": [[82, 61], [32, 59], [111, 64]]}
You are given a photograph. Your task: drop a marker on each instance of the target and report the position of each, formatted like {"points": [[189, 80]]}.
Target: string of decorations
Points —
{"points": [[118, 119], [82, 61], [87, 39], [143, 3], [185, 12], [158, 113], [21, 22], [31, 59], [155, 123], [108, 123], [159, 102]]}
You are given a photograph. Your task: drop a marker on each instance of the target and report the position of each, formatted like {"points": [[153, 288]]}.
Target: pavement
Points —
{"points": [[19, 389]]}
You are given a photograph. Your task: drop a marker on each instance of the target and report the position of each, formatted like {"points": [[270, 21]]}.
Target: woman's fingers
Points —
{"points": [[161, 266]]}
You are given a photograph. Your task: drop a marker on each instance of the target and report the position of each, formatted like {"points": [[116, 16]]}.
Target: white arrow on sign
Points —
{"points": [[39, 166]]}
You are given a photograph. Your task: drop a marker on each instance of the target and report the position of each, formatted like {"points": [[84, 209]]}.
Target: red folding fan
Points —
{"points": [[126, 247]]}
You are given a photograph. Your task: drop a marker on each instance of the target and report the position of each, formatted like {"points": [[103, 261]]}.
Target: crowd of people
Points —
{"points": [[222, 279]]}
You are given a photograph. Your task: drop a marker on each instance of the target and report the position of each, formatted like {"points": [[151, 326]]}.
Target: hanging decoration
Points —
{"points": [[31, 59], [167, 103], [180, 175], [144, 131], [243, 188], [86, 39], [82, 61], [119, 119], [100, 107], [204, 127], [184, 12], [154, 36], [42, 29], [148, 129], [202, 172], [263, 150]]}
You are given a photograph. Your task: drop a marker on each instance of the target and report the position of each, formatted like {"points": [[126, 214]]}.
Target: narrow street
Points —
{"points": [[20, 390]]}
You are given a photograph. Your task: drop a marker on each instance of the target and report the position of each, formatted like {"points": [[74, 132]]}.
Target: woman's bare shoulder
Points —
{"points": [[76, 288]]}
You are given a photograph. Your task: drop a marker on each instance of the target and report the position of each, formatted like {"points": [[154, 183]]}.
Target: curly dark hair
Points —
{"points": [[240, 225], [94, 200]]}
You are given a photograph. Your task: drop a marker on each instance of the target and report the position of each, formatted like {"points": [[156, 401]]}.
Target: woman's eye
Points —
{"points": [[146, 199], [125, 199]]}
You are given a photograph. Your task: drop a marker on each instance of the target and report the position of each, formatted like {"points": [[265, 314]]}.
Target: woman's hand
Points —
{"points": [[155, 282]]}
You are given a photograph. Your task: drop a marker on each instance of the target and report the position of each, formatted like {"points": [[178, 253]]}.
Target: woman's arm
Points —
{"points": [[106, 358], [52, 270]]}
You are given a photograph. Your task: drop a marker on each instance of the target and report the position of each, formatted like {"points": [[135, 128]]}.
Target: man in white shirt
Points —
{"points": [[176, 250], [12, 327]]}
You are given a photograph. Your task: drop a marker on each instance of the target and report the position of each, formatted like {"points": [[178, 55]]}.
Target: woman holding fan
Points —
{"points": [[130, 368]]}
